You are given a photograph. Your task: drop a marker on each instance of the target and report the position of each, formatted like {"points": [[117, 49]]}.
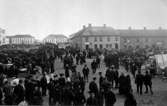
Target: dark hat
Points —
{"points": [[20, 81], [55, 76], [100, 73], [61, 74], [90, 92], [94, 78]]}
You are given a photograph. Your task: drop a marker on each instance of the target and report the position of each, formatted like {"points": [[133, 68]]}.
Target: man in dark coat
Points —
{"points": [[94, 66], [139, 82], [1, 96], [67, 96], [29, 86], [77, 59], [110, 75], [67, 71], [79, 98], [133, 69], [62, 80], [148, 82], [37, 96], [93, 87], [116, 77], [130, 100], [98, 61], [100, 97], [51, 91], [85, 72], [122, 84], [43, 83], [110, 98], [101, 79], [91, 101], [8, 100], [56, 90], [19, 92]]}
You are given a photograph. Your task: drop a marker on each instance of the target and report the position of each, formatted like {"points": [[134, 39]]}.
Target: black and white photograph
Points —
{"points": [[83, 52]]}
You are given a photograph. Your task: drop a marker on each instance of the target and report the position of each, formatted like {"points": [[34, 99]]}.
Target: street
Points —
{"points": [[159, 98]]}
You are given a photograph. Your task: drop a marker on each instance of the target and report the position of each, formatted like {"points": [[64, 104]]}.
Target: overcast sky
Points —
{"points": [[43, 17]]}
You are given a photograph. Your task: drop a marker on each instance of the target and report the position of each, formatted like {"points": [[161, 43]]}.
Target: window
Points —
{"points": [[101, 39], [108, 39], [95, 46], [87, 39], [116, 38], [110, 45], [116, 46], [95, 39], [101, 46], [106, 45]]}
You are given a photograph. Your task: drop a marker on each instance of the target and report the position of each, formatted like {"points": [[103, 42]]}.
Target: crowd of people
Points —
{"points": [[68, 87]]}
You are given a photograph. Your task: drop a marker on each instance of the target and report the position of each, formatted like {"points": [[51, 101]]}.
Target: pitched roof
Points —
{"points": [[101, 30], [95, 31], [56, 36], [146, 32], [22, 36]]}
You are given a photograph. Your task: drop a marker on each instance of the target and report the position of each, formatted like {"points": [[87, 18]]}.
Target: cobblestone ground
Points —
{"points": [[159, 98]]}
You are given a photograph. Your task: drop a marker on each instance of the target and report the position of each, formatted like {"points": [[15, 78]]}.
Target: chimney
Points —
{"points": [[129, 28], [84, 26], [145, 28], [89, 25], [104, 25]]}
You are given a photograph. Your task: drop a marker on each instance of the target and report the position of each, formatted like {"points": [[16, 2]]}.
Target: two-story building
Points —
{"points": [[109, 38], [21, 39], [143, 38], [55, 38], [96, 37]]}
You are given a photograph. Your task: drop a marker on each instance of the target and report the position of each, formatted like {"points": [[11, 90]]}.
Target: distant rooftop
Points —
{"points": [[95, 31], [21, 36], [56, 36], [143, 32], [106, 30]]}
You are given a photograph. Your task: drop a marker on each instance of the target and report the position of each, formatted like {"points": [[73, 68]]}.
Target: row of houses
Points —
{"points": [[98, 37], [110, 38], [30, 40]]}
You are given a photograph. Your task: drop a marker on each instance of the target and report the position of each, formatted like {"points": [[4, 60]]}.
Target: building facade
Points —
{"points": [[21, 39], [2, 37], [143, 38], [96, 38], [109, 38], [55, 39]]}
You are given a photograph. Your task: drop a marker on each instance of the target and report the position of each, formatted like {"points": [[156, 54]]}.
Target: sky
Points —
{"points": [[43, 17]]}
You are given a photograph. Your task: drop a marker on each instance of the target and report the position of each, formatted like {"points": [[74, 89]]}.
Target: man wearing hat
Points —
{"points": [[91, 101], [19, 92], [93, 87], [56, 97], [110, 98], [62, 80], [85, 72], [43, 83], [101, 79]]}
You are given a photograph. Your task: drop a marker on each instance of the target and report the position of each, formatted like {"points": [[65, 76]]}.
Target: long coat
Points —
{"points": [[19, 93], [110, 98]]}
